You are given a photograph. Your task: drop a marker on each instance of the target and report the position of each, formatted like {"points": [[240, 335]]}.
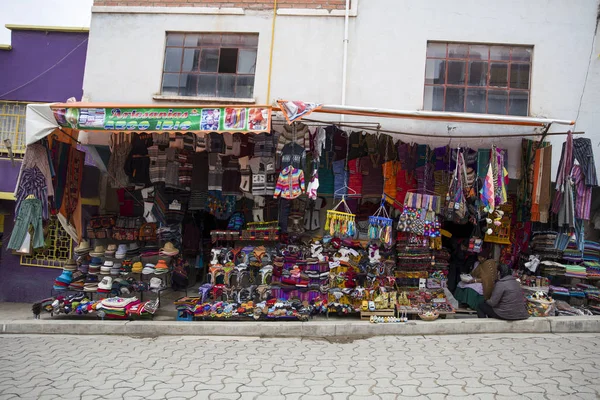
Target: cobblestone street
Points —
{"points": [[112, 367]]}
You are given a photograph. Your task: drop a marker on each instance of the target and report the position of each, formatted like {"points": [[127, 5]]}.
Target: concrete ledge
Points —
{"points": [[311, 329]]}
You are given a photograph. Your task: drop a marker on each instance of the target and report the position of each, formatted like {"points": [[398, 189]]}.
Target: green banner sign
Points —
{"points": [[206, 119]]}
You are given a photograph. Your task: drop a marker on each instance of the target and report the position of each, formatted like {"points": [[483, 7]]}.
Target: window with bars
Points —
{"points": [[12, 126], [476, 78], [210, 65]]}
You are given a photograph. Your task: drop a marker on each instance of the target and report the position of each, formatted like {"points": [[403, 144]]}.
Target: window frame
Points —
{"points": [[219, 46], [466, 59]]}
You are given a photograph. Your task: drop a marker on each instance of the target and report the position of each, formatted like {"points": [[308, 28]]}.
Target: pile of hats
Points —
{"points": [[91, 282], [105, 285], [63, 281], [111, 250], [156, 285], [115, 270], [133, 250], [106, 267], [148, 269], [161, 267], [137, 267], [169, 250], [126, 267], [98, 251], [82, 249], [95, 264], [121, 252]]}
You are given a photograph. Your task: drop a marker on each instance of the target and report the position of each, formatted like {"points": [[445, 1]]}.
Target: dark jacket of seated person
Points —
{"points": [[507, 301]]}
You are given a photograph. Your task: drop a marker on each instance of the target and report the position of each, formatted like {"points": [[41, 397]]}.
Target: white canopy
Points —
{"points": [[39, 122]]}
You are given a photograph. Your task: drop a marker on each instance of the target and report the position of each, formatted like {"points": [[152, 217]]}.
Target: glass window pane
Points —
{"points": [[478, 73], [455, 99], [188, 85], [228, 61], [499, 74], [175, 39], [521, 54], [497, 102], [170, 84], [477, 52], [173, 59], [190, 60], [249, 40], [228, 39], [208, 39], [192, 40], [436, 50], [500, 53], [519, 103], [246, 61], [245, 87], [434, 98], [456, 72], [519, 76], [226, 86], [207, 85], [435, 71], [457, 50], [476, 100], [209, 60]]}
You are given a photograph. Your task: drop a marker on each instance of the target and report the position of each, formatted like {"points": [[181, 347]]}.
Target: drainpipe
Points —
{"points": [[345, 59]]}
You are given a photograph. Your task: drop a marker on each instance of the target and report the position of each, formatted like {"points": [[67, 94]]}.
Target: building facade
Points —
{"points": [[535, 58], [42, 64]]}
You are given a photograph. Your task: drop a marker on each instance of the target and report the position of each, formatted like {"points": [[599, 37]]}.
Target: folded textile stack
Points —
{"points": [[442, 259], [576, 292], [143, 310], [591, 251], [576, 271], [558, 289], [591, 292], [543, 244], [551, 268], [592, 269], [543, 241], [572, 253], [117, 307]]}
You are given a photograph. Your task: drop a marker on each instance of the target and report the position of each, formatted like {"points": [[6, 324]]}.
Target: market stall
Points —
{"points": [[285, 219]]}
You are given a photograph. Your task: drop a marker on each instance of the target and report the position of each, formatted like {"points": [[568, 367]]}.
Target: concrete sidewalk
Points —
{"points": [[16, 318]]}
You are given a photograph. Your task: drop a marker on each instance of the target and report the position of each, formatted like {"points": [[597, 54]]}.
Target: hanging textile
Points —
{"points": [[583, 201], [540, 199], [582, 150], [74, 179], [564, 169]]}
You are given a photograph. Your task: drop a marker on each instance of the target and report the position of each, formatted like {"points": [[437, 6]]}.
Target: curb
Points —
{"points": [[311, 329]]}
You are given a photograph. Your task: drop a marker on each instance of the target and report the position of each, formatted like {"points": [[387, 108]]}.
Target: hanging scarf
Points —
{"points": [[564, 169], [540, 201]]}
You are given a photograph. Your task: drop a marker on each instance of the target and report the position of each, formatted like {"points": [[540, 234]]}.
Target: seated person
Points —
{"points": [[507, 301], [486, 273]]}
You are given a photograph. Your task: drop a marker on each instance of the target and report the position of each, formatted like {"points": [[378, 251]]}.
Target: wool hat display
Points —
{"points": [[66, 277], [105, 285], [161, 267], [137, 267], [98, 251], [169, 250]]}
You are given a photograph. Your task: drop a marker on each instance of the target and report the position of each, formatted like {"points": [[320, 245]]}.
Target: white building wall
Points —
{"points": [[386, 64]]}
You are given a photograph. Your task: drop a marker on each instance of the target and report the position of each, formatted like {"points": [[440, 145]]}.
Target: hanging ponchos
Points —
{"points": [[540, 198]]}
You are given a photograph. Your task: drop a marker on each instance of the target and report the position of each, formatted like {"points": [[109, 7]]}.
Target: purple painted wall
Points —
{"points": [[53, 63], [33, 52], [19, 283], [10, 173]]}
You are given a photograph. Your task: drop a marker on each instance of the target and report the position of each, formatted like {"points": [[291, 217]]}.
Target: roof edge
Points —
{"points": [[46, 28]]}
